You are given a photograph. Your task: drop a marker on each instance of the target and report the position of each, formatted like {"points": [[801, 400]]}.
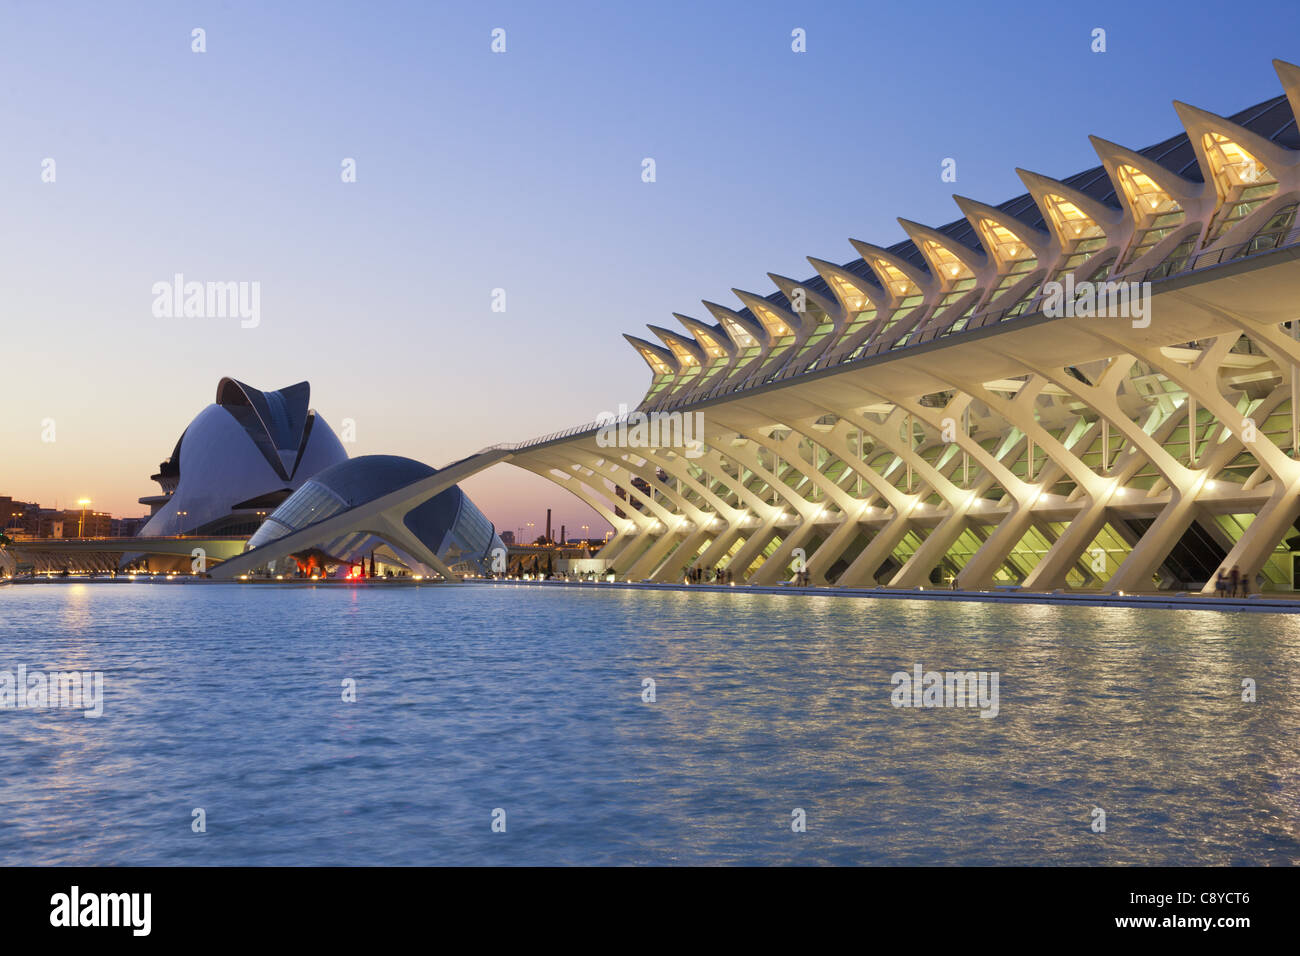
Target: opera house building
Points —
{"points": [[240, 458], [260, 477]]}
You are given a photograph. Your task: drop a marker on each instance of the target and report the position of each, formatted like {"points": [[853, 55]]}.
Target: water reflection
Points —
{"points": [[476, 697]]}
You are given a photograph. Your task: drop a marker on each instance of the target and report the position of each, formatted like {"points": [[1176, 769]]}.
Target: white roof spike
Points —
{"points": [[730, 317], [777, 320], [1196, 198], [894, 271], [1040, 187], [1199, 123], [649, 352], [707, 335], [854, 292], [978, 214], [1289, 74], [789, 287], [922, 235]]}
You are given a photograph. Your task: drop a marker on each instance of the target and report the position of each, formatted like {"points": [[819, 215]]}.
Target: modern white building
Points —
{"points": [[1091, 385], [239, 459]]}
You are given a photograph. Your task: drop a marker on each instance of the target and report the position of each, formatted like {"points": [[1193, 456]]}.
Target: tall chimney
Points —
{"points": [[561, 534], [548, 525]]}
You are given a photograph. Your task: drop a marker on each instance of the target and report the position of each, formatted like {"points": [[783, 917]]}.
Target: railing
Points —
{"points": [[554, 436], [1244, 250]]}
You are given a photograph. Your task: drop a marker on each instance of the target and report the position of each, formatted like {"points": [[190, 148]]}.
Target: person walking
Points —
{"points": [[1234, 579]]}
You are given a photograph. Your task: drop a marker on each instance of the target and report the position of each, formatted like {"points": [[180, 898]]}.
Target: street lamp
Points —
{"points": [[179, 515], [81, 521]]}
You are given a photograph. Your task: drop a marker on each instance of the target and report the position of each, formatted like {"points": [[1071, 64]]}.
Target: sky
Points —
{"points": [[520, 171]]}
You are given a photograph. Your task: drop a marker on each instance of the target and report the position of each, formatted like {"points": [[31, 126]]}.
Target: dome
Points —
{"points": [[368, 477], [448, 524]]}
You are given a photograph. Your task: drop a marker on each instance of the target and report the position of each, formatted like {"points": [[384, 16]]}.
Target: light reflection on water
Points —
{"points": [[529, 699]]}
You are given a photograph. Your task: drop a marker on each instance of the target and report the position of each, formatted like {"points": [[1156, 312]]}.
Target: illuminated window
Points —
{"points": [[655, 362], [772, 322], [961, 322], [959, 290], [1272, 234], [946, 265], [712, 347], [1177, 260], [1071, 222], [686, 361], [896, 281], [906, 310], [1022, 306], [859, 322], [712, 373], [1080, 236], [1233, 166], [849, 294], [658, 384], [738, 334], [1242, 182], [1103, 273], [1081, 252], [1144, 195], [1014, 257], [1156, 212], [820, 333], [1005, 245]]}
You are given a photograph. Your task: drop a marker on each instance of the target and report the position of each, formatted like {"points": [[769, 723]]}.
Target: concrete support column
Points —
{"points": [[862, 571], [776, 568]]}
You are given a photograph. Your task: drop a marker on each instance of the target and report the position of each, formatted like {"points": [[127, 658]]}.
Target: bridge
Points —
{"points": [[108, 554]]}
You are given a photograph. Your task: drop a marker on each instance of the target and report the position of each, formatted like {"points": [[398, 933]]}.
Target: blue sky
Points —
{"points": [[519, 171]]}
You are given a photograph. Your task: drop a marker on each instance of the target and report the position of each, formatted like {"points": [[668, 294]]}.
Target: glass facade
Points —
{"points": [[311, 503], [448, 524]]}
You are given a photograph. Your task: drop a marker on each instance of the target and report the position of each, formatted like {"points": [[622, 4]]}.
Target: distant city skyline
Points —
{"points": [[136, 159]]}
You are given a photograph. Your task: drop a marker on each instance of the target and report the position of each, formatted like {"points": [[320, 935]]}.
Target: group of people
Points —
{"points": [[1232, 583], [719, 575]]}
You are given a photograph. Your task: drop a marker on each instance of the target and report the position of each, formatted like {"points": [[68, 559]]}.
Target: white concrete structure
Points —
{"points": [[238, 459], [1093, 385], [927, 414]]}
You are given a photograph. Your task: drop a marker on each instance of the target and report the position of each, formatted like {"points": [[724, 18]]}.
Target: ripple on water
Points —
{"points": [[474, 698]]}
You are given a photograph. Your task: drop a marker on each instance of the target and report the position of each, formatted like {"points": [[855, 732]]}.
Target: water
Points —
{"points": [[528, 699]]}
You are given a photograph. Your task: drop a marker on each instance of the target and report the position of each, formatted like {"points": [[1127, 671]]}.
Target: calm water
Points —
{"points": [[474, 698]]}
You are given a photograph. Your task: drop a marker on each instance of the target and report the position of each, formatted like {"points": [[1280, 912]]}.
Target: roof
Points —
{"points": [[277, 421], [1271, 119], [368, 477]]}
